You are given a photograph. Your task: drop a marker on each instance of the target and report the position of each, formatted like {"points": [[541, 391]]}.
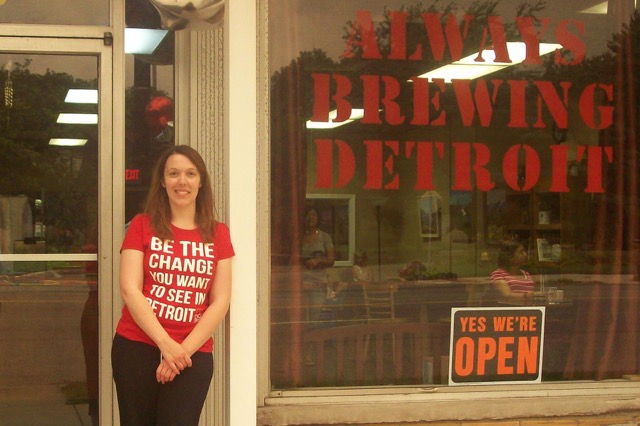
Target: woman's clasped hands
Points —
{"points": [[174, 359]]}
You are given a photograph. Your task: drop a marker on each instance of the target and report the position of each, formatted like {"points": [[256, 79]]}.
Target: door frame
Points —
{"points": [[110, 190]]}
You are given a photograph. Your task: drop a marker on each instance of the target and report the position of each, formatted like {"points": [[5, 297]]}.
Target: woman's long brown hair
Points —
{"points": [[158, 207]]}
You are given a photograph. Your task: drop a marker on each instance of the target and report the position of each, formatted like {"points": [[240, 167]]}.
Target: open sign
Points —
{"points": [[496, 345]]}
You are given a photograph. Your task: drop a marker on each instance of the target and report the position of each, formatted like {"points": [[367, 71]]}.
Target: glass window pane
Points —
{"points": [[55, 12], [48, 227], [49, 187], [490, 162], [149, 105]]}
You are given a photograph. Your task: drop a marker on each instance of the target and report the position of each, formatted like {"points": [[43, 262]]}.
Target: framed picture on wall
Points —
{"points": [[336, 216], [430, 211]]}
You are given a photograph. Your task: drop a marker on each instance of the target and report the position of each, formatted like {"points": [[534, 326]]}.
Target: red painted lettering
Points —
{"points": [[571, 43], [463, 169], [363, 30]]}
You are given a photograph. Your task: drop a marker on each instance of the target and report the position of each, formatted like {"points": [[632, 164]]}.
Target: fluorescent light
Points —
{"points": [[468, 69], [601, 8], [462, 72], [68, 118], [356, 114], [67, 142], [81, 96], [142, 41]]}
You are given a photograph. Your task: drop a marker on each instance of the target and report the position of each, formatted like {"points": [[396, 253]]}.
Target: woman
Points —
{"points": [[318, 254], [360, 270], [175, 281], [513, 283]]}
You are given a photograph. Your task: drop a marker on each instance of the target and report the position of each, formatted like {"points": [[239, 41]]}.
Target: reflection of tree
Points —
{"points": [[609, 315], [292, 98], [618, 67], [63, 177], [474, 36]]}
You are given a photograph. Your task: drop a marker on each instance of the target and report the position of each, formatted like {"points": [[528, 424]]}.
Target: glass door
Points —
{"points": [[55, 206]]}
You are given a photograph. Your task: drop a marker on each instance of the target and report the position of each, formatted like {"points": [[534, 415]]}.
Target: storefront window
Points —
{"points": [[489, 157]]}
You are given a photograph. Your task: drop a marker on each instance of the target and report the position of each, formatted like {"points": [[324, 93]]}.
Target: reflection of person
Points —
{"points": [[318, 254], [512, 282], [360, 270], [175, 280]]}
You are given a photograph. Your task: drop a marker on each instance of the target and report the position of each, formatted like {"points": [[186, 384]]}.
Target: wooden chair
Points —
{"points": [[380, 305], [379, 301], [345, 347]]}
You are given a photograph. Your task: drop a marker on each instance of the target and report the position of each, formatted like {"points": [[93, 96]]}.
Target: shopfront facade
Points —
{"points": [[451, 169], [372, 159]]}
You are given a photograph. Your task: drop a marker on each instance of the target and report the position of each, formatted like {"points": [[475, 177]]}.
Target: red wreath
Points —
{"points": [[158, 113]]}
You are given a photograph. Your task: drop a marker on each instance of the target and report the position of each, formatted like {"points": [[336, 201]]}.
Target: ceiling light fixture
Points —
{"points": [[142, 41], [356, 114], [81, 96], [70, 118], [67, 142], [601, 8], [468, 68]]}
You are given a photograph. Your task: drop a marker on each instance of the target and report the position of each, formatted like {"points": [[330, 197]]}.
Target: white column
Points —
{"points": [[241, 139]]}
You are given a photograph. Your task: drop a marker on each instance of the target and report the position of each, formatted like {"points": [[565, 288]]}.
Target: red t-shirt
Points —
{"points": [[178, 275]]}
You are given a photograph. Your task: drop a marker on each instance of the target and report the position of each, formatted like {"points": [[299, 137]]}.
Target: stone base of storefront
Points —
{"points": [[606, 403]]}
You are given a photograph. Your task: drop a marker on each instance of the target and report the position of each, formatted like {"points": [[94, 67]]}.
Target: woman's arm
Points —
{"points": [[131, 278], [330, 256], [327, 260], [507, 295], [219, 298]]}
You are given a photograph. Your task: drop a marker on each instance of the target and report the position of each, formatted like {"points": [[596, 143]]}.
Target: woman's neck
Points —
{"points": [[183, 218], [312, 231], [514, 270]]}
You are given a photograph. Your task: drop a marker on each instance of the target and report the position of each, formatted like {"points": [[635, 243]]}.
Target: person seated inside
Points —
{"points": [[361, 272], [512, 283]]}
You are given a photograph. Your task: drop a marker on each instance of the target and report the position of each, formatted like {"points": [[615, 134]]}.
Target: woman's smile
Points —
{"points": [[181, 180]]}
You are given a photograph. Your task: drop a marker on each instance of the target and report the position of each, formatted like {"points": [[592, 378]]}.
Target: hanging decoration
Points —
{"points": [[8, 87], [190, 14]]}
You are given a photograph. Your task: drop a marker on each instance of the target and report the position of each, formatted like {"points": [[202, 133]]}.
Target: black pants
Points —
{"points": [[145, 402]]}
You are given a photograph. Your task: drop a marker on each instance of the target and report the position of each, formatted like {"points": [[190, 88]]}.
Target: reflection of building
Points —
{"points": [[16, 224]]}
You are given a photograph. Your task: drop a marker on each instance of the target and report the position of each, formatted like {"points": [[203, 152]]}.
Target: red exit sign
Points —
{"points": [[132, 174]]}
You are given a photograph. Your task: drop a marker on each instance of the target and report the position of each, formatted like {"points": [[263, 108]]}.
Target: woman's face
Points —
{"points": [[520, 257], [311, 219], [181, 181]]}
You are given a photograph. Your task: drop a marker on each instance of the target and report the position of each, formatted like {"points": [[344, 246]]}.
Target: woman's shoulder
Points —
{"points": [[141, 219], [220, 227], [499, 274], [221, 231], [325, 235]]}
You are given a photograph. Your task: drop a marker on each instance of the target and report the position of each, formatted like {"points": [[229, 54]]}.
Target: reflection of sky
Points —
{"points": [[83, 67], [52, 12], [302, 25]]}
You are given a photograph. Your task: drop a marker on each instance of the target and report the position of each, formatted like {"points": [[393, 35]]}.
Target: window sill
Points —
{"points": [[432, 403]]}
